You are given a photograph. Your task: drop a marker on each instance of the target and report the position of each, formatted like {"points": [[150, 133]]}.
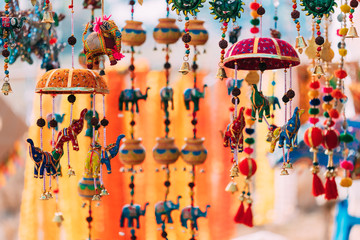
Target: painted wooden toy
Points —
{"points": [[259, 104], [193, 95], [192, 214], [289, 131], [234, 132], [110, 152], [132, 212], [131, 96], [165, 208]]}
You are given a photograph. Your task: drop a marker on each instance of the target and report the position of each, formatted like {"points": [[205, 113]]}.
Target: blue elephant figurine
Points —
{"points": [[43, 161], [131, 96], [58, 117], [193, 95], [110, 152], [165, 208], [273, 101], [289, 130], [192, 213], [166, 95], [131, 212], [232, 83]]}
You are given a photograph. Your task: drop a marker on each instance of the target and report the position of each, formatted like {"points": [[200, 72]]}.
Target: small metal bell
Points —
{"points": [[6, 88], [231, 187], [300, 43], [33, 2], [289, 165], [71, 172], [96, 197], [47, 17], [185, 68], [221, 74], [58, 218], [104, 192], [102, 72], [352, 33], [49, 195], [284, 172], [43, 196], [234, 171], [318, 70]]}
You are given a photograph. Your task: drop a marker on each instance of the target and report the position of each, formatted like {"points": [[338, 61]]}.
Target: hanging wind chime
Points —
{"points": [[166, 152], [131, 151]]}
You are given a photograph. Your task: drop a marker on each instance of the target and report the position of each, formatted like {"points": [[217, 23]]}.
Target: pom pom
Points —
{"points": [[346, 138], [327, 90], [315, 102], [262, 66], [254, 30], [346, 182], [254, 14], [247, 167], [104, 122], [53, 123], [327, 106], [250, 141], [52, 41], [94, 121], [313, 120], [249, 131], [343, 31], [317, 186], [345, 8], [313, 94], [248, 150], [330, 189], [343, 52], [72, 40], [347, 165], [5, 53], [248, 112], [354, 3], [254, 6], [314, 85], [240, 213], [334, 113], [248, 217], [328, 123], [327, 98], [314, 111], [340, 73], [71, 98], [319, 40], [290, 93], [337, 94], [236, 91], [40, 122]]}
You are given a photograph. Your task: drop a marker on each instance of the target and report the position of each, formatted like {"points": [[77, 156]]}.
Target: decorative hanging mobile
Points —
{"points": [[254, 6], [300, 43], [225, 11], [186, 7], [166, 152], [131, 151], [352, 33]]}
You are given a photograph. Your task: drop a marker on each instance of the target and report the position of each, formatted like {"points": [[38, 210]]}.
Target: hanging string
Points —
{"points": [[192, 197], [41, 129], [102, 10], [235, 115], [89, 219], [53, 116], [285, 103], [104, 147], [132, 79], [194, 68], [93, 128], [72, 33], [68, 144]]}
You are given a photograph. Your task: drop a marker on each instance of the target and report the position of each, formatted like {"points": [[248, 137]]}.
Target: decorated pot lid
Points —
{"points": [[248, 53], [68, 81]]}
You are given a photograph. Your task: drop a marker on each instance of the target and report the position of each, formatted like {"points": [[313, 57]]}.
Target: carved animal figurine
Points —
{"points": [[192, 213], [70, 133], [273, 101], [106, 39], [167, 94], [290, 129], [275, 33], [165, 208], [231, 84], [193, 95], [234, 132], [43, 161], [131, 212], [273, 137], [89, 127], [92, 162], [234, 35], [58, 117], [131, 96], [259, 104], [110, 152], [10, 24]]}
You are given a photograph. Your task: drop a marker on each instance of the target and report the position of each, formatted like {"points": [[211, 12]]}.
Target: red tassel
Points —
{"points": [[317, 186], [240, 213], [248, 217], [330, 189]]}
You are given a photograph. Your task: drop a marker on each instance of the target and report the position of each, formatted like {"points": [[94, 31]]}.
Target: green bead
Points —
{"points": [[250, 141], [132, 178], [7, 1], [223, 35], [255, 21], [346, 138], [314, 111], [318, 21], [276, 18], [352, 10], [167, 129], [326, 114], [132, 192], [6, 60]]}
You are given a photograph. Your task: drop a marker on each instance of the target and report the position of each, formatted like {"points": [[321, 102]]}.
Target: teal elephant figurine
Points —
{"points": [[259, 104], [232, 83], [166, 95], [9, 24], [192, 213], [89, 127], [110, 152], [59, 118], [132, 212], [289, 131], [193, 95], [43, 161], [131, 96], [165, 208], [273, 101]]}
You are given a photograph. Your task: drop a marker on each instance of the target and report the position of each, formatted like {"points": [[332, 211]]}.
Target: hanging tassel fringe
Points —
{"points": [[330, 189], [240, 213], [248, 217], [317, 186]]}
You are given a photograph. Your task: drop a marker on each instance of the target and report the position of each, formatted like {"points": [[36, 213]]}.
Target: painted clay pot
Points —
{"points": [[166, 32], [133, 34], [199, 35], [132, 152], [194, 152], [165, 151], [86, 187]]}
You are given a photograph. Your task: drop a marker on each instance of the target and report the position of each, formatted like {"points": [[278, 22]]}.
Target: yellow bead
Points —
{"points": [[254, 14], [342, 52], [345, 8], [191, 193], [313, 94], [327, 106], [346, 182], [250, 122], [343, 31]]}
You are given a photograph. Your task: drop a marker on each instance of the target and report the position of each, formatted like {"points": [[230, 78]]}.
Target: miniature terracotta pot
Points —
{"points": [[166, 32], [199, 35], [194, 152], [86, 187], [133, 34], [132, 152], [165, 151]]}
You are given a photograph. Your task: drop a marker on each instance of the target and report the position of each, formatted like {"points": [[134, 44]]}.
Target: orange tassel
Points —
{"points": [[330, 189], [248, 217], [317, 186], [240, 213]]}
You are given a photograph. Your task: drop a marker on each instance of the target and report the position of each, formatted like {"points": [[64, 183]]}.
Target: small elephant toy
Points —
{"points": [[192, 213], [70, 133], [234, 132], [110, 152], [89, 127], [131, 212], [232, 83], [106, 39], [9, 24], [131, 96], [165, 208], [193, 95], [290, 129], [166, 95], [58, 118], [234, 35], [43, 161], [273, 101], [259, 104]]}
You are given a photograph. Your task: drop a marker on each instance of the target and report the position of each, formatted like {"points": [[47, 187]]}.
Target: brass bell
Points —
{"points": [[234, 171], [71, 172], [58, 218], [289, 165], [231, 187], [185, 68], [284, 172], [47, 17], [221, 74], [318, 70], [6, 88], [96, 197], [352, 33], [104, 192], [33, 2], [300, 43]]}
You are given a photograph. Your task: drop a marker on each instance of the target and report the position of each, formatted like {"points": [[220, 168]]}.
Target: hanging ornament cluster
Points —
{"points": [[300, 41]]}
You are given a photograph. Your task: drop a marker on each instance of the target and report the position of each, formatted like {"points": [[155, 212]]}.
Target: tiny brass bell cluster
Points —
{"points": [[231, 187], [319, 71], [6, 88], [221, 74], [104, 192], [58, 218], [96, 197], [185, 68], [352, 33], [48, 15], [300, 43]]}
